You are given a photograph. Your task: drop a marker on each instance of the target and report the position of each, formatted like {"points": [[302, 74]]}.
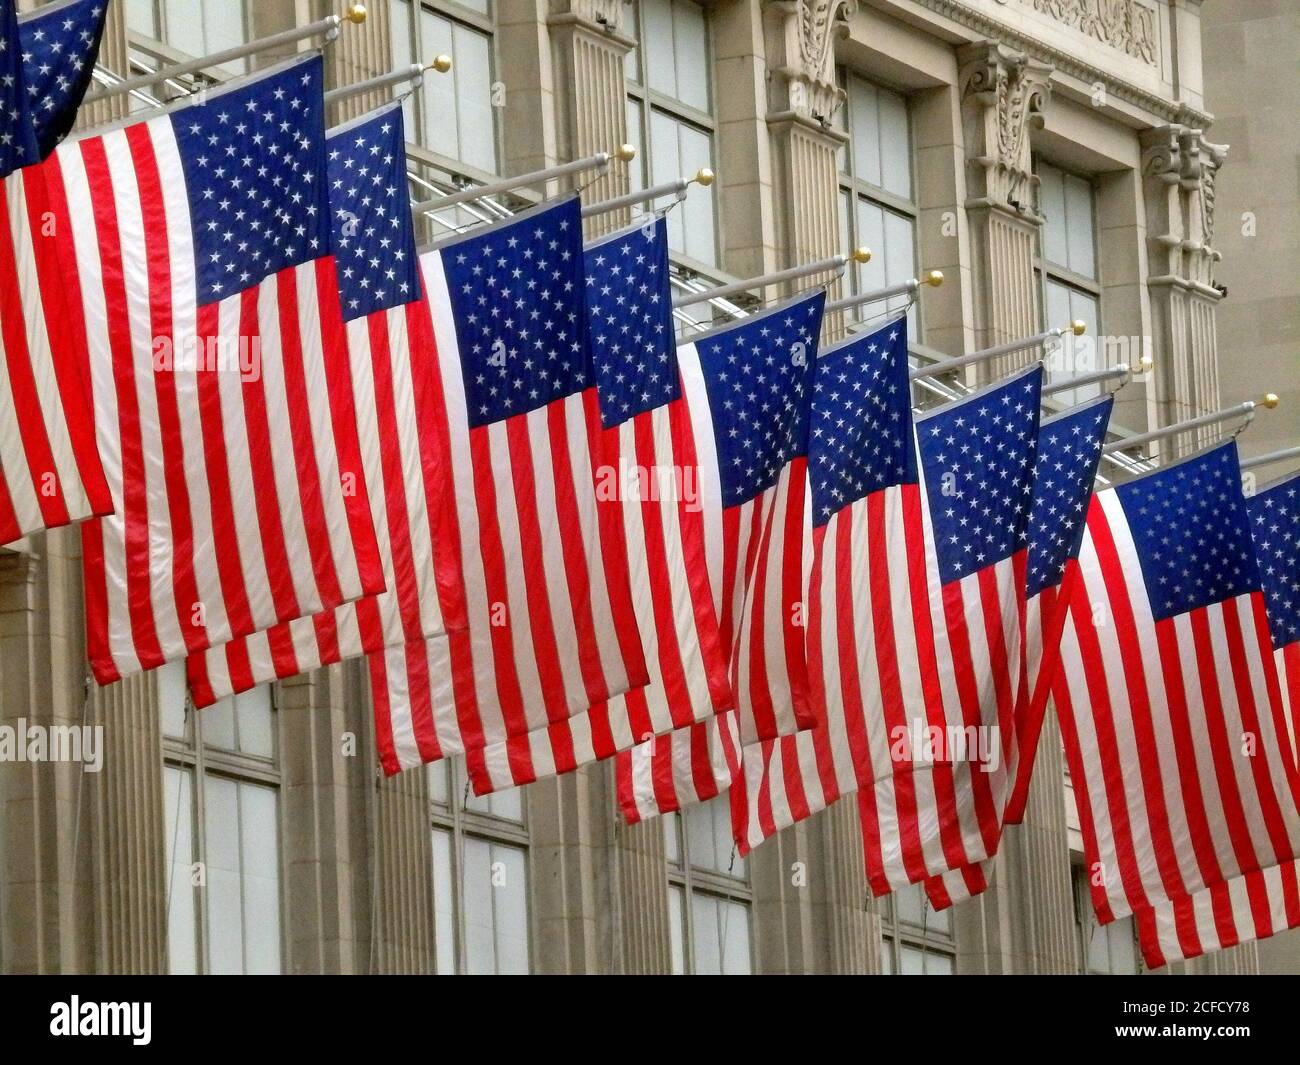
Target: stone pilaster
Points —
{"points": [[113, 54], [324, 769], [1004, 93], [401, 875], [803, 96], [1179, 168], [643, 935], [359, 52], [568, 818], [786, 927], [588, 47]]}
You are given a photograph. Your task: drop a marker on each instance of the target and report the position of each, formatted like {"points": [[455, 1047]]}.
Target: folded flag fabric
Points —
{"points": [[552, 630], [50, 471], [194, 249], [1170, 708], [648, 478], [1069, 451], [1275, 531], [1266, 901], [59, 46], [682, 768], [402, 426]]}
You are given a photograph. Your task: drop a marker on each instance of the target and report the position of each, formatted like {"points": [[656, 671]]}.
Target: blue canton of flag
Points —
{"points": [[860, 428], [1192, 533], [1069, 448], [630, 314], [18, 145], [758, 377], [1275, 522], [254, 163], [977, 455], [372, 233], [59, 44], [518, 302]]}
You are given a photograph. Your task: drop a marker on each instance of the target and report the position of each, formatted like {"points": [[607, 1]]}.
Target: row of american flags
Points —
{"points": [[738, 564]]}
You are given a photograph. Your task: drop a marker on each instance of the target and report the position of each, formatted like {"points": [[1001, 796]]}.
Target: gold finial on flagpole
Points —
{"points": [[440, 63], [933, 278], [860, 255], [356, 14], [1270, 400], [625, 153], [1078, 327], [703, 177]]}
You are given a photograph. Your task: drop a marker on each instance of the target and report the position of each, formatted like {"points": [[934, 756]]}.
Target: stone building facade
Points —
{"points": [[1052, 157]]}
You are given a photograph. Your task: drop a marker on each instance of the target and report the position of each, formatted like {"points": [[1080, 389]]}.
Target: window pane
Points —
{"points": [[400, 28], [225, 923], [439, 786], [444, 912], [636, 135], [676, 929], [909, 905], [691, 54], [1123, 959], [937, 964], [871, 232], [672, 837], [504, 804], [217, 724], [735, 939], [474, 111], [260, 859], [255, 723], [172, 698], [632, 27], [660, 67], [1079, 226], [864, 131], [494, 893], [1051, 193], [911, 961], [895, 146], [899, 256], [887, 957], [178, 811], [697, 151], [706, 944], [140, 17]]}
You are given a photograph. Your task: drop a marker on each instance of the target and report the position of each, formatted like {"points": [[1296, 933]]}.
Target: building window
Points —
{"points": [[222, 820], [670, 115], [709, 897], [194, 28], [1106, 949], [877, 197], [452, 115], [1067, 274], [480, 876], [917, 939]]}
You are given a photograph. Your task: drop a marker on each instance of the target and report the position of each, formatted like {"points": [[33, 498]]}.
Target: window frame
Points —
{"points": [[897, 933], [1085, 920], [851, 187], [190, 754], [462, 823], [649, 100], [692, 879]]}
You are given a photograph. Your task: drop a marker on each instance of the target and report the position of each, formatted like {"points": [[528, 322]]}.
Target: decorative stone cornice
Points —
{"points": [[1004, 93], [1067, 63], [607, 14], [1126, 25], [802, 42]]}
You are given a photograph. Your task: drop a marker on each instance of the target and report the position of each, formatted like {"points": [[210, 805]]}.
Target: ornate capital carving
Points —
{"points": [[1126, 25], [802, 36], [1179, 168], [1004, 93], [607, 14]]}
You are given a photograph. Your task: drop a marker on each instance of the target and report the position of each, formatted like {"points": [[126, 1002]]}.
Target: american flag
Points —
{"points": [[1267, 901], [1069, 451], [1170, 710], [648, 477], [748, 387], [194, 248], [60, 42], [552, 629], [402, 424], [50, 472]]}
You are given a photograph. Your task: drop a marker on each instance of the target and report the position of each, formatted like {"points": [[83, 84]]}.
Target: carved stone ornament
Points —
{"points": [[1182, 167], [1005, 93], [807, 30], [1123, 24], [608, 14]]}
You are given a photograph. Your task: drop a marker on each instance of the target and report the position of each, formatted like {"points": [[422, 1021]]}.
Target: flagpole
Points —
{"points": [[794, 273], [1241, 410], [703, 177], [934, 278], [1121, 369], [414, 74], [1271, 457], [1078, 327], [329, 26], [625, 153]]}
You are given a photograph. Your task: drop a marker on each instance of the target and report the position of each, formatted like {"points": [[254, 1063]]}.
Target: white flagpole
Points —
{"points": [[1241, 410], [1271, 457], [1077, 327], [414, 74], [703, 177], [836, 263]]}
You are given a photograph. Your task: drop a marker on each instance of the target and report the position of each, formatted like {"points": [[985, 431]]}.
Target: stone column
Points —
{"points": [[1179, 168], [1004, 93], [359, 52], [588, 47], [113, 54], [400, 859]]}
